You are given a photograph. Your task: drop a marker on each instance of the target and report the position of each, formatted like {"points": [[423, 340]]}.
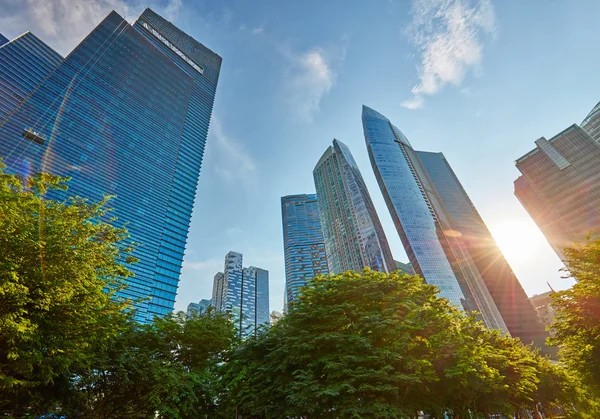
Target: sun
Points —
{"points": [[518, 239]]}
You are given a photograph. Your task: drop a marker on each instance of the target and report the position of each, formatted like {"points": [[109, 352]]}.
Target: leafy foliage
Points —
{"points": [[164, 369], [376, 345], [577, 326], [60, 265]]}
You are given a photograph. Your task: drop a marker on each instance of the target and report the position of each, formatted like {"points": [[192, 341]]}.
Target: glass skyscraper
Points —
{"points": [[126, 113], [352, 232], [3, 40], [24, 63], [196, 308], [479, 248], [433, 216], [560, 184], [243, 292], [303, 244]]}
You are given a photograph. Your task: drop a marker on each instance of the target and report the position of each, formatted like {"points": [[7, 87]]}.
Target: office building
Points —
{"points": [[443, 234], [3, 40], [126, 113], [467, 228], [543, 307], [276, 316], [560, 184], [352, 232], [242, 292], [591, 123], [405, 268], [303, 244], [24, 63], [198, 308]]}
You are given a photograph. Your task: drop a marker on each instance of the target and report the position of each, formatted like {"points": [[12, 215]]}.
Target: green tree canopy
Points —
{"points": [[60, 265], [376, 345], [165, 369], [577, 325]]}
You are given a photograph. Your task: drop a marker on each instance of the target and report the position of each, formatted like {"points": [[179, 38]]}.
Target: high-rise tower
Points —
{"points": [[126, 113], [353, 234], [243, 292], [303, 244], [444, 236], [560, 183]]}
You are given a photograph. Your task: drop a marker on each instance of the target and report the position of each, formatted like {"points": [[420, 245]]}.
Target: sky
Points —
{"points": [[477, 80]]}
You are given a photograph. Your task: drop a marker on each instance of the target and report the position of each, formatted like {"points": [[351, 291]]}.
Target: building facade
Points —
{"points": [[352, 232], [242, 292], [417, 187], [466, 225], [126, 113], [591, 123], [3, 40], [303, 245], [24, 63], [560, 185], [543, 307], [197, 308]]}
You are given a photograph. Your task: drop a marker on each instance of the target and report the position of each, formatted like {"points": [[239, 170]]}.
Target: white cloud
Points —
{"points": [[64, 23], [232, 162], [448, 35], [311, 76]]}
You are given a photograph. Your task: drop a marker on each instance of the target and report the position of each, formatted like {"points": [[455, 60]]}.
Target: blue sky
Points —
{"points": [[478, 80]]}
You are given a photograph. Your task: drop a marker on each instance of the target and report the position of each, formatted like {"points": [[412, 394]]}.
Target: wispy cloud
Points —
{"points": [[232, 161], [64, 23], [448, 34], [311, 76]]}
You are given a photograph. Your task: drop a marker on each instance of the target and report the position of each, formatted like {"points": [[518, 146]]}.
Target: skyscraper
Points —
{"points": [[352, 232], [3, 40], [560, 184], [303, 245], [466, 223], [201, 307], [243, 292], [24, 63], [442, 232], [126, 113]]}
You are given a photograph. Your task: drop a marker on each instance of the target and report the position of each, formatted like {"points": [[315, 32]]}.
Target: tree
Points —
{"points": [[60, 266], [577, 325], [376, 345], [164, 369]]}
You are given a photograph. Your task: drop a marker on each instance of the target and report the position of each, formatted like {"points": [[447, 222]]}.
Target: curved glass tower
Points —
{"points": [[435, 250], [352, 232]]}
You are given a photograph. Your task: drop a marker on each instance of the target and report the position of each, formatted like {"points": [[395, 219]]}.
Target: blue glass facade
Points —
{"points": [[3, 40], [126, 113], [24, 63], [409, 205], [201, 307], [243, 292], [303, 245], [352, 232]]}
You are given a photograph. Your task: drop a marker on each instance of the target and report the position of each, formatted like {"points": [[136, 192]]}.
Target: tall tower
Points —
{"points": [[435, 221], [303, 244], [560, 183], [242, 292], [353, 234], [465, 222], [126, 113], [24, 63]]}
